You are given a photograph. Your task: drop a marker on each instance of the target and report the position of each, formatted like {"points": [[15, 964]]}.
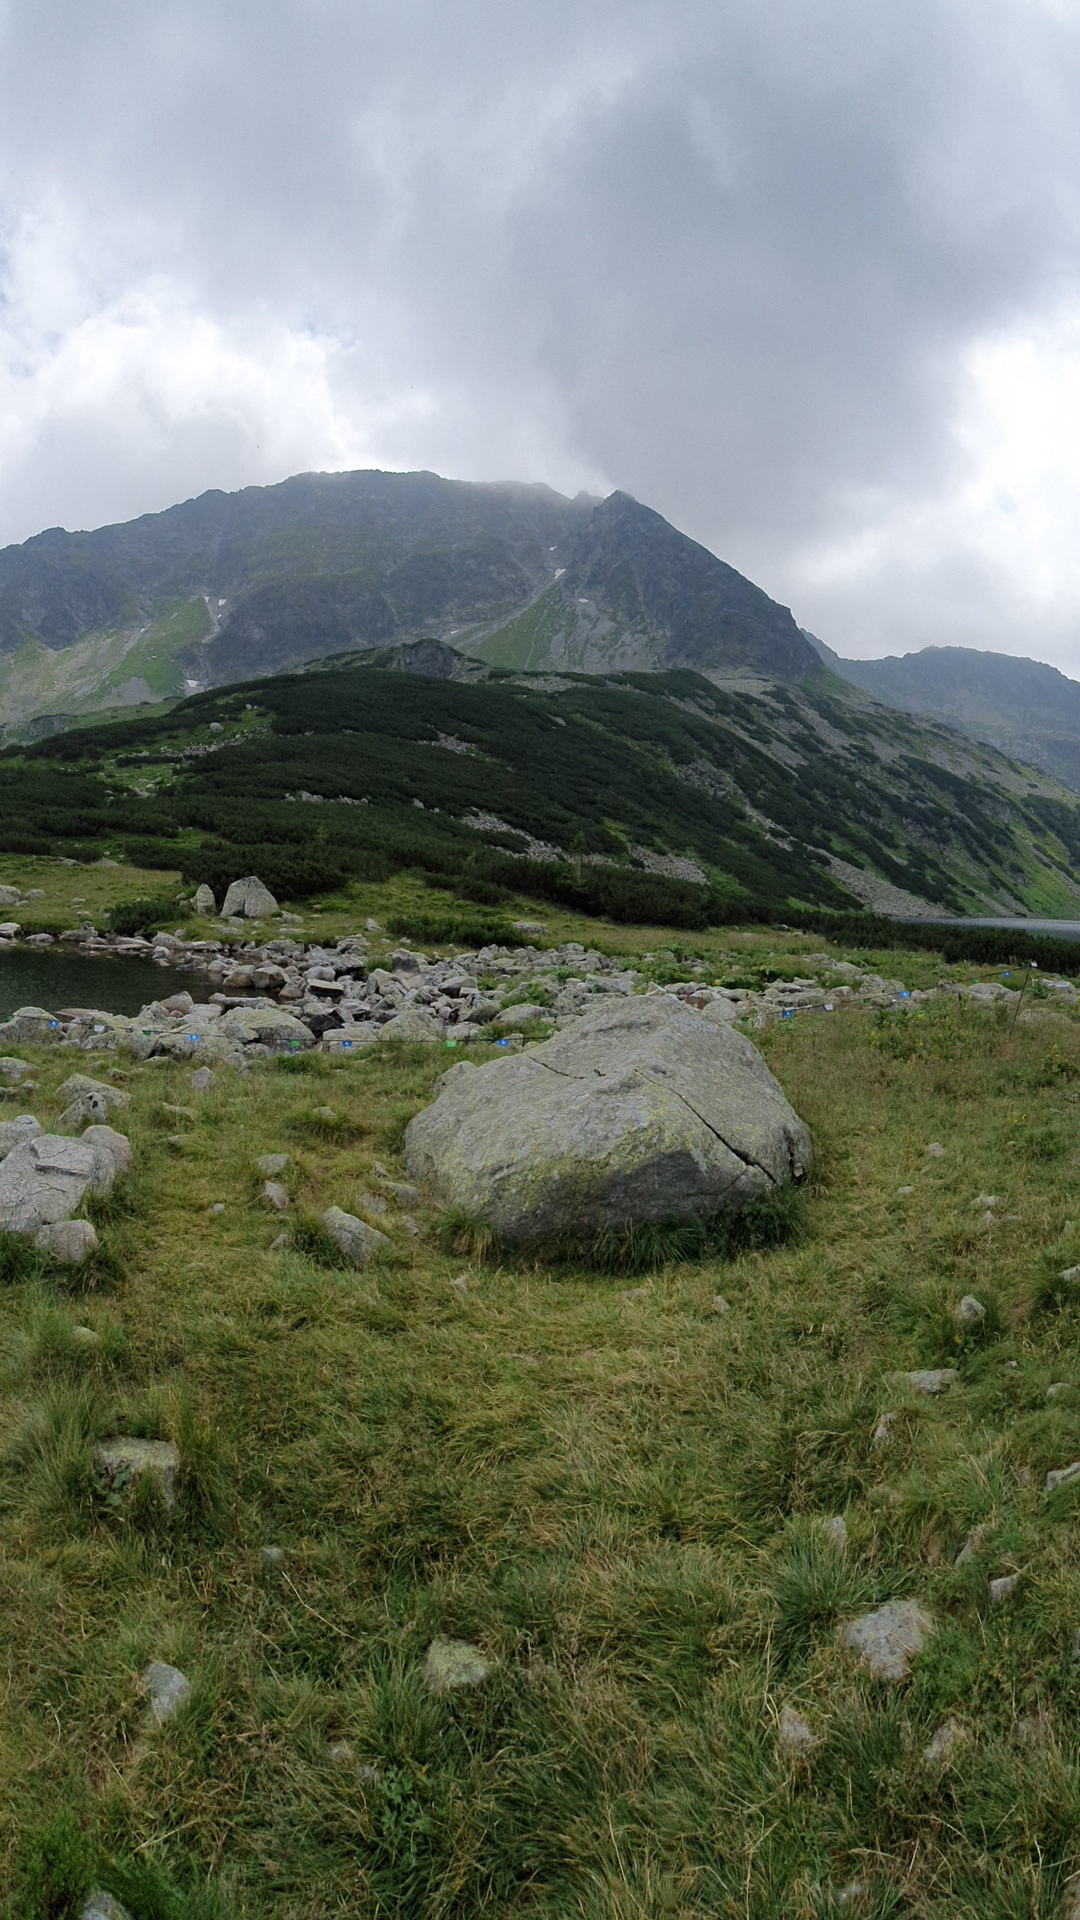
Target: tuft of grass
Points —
{"points": [[55, 1869]]}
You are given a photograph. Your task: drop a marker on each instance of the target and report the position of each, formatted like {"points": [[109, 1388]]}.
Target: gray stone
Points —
{"points": [[204, 901], [15, 1133], [273, 1556], [970, 1311], [88, 1106], [925, 1380], [116, 1145], [1003, 1589], [268, 1164], [944, 1741], [202, 1080], [641, 1111], [972, 1546], [526, 1015], [275, 1195], [454, 1663], [12, 1068], [129, 1460], [882, 1433], [102, 1906], [1055, 1388], [835, 1530], [47, 1179], [1057, 1476], [888, 1639], [268, 1027], [250, 898], [168, 1690], [405, 1195], [412, 1023], [78, 1084], [357, 1241], [795, 1734], [32, 1026], [935, 1150], [68, 1241], [719, 1304]]}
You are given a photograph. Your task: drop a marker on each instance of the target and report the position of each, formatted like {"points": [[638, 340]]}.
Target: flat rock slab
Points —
{"points": [[641, 1111], [454, 1663], [888, 1639], [925, 1379], [168, 1690], [125, 1460]]}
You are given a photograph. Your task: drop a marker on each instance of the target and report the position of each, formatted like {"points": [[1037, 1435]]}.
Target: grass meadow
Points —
{"points": [[615, 1491]]}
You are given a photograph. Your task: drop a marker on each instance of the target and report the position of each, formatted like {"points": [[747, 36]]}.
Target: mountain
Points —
{"points": [[657, 797], [1029, 711], [229, 586]]}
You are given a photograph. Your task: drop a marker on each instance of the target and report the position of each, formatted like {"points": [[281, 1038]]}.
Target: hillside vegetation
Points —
{"points": [[641, 797], [614, 1488]]}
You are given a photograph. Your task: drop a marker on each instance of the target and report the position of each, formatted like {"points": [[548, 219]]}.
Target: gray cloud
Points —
{"points": [[736, 259]]}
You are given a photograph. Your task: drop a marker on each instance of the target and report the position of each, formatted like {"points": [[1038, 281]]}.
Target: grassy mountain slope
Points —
{"points": [[1027, 710], [656, 796], [229, 586]]}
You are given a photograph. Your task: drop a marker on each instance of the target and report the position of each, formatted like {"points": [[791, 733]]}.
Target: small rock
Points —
{"points": [[178, 1113], [935, 1150], [719, 1304], [1035, 1729], [970, 1311], [1003, 1589], [272, 1555], [325, 1114], [371, 1776], [835, 1530], [989, 1200], [340, 1752], [202, 1080], [925, 1379], [404, 1194], [943, 1743], [971, 1547], [123, 1461], [68, 1241], [168, 1688], [359, 1242], [633, 1293], [795, 1734], [12, 1068], [218, 1206], [270, 1164], [279, 1245], [853, 1893], [275, 1195], [905, 1190], [1056, 1387], [85, 1337], [460, 1284], [454, 1663], [370, 1203], [1060, 1476], [102, 1906], [888, 1639], [204, 901], [883, 1431], [1071, 1273]]}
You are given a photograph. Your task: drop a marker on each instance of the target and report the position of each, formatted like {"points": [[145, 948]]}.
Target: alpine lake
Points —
{"points": [[45, 977]]}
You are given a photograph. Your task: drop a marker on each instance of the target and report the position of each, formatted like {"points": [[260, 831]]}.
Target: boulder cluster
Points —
{"points": [[46, 1178]]}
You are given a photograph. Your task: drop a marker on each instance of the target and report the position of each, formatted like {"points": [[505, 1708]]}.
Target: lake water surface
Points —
{"points": [[1063, 929], [32, 978]]}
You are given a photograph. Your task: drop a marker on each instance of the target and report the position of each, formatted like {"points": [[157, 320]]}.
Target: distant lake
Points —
{"points": [[51, 979], [1063, 929]]}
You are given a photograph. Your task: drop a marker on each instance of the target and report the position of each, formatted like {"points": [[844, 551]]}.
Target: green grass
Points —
{"points": [[616, 1492]]}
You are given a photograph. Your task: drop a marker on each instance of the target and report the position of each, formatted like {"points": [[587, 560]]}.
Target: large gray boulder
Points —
{"points": [[249, 898], [268, 1027], [48, 1178], [641, 1111]]}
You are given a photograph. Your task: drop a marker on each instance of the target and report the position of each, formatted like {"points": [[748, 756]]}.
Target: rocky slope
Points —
{"points": [[232, 585], [1027, 710]]}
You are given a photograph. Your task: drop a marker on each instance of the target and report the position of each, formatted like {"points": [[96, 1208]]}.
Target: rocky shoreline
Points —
{"points": [[282, 995]]}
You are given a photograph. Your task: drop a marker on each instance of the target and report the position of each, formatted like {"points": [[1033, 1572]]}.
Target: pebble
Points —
{"points": [[218, 1206], [835, 1531], [279, 1245], [905, 1189], [272, 1555], [888, 1639], [970, 1311], [936, 1150], [454, 1663], [275, 1195], [795, 1733], [202, 1080], [989, 1200], [269, 1164], [719, 1304], [943, 1743], [1056, 1387], [633, 1293], [1003, 1589], [168, 1689], [102, 1906], [883, 1431], [972, 1546]]}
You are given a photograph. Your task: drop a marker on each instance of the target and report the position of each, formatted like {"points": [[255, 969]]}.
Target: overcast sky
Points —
{"points": [[801, 274]]}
